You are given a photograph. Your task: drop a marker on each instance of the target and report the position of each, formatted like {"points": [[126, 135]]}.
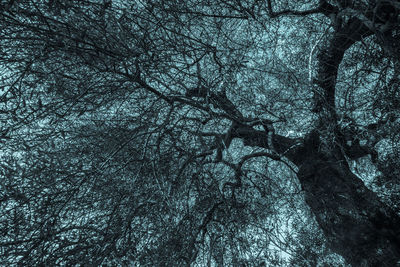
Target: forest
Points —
{"points": [[200, 133]]}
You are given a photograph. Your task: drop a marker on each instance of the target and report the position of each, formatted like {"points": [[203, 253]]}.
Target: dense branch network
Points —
{"points": [[121, 117]]}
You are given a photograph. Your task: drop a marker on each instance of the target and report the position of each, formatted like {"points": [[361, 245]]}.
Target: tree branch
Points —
{"points": [[202, 14], [323, 8], [330, 59]]}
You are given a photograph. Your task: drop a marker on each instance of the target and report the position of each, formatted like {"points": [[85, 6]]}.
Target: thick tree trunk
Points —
{"points": [[356, 224]]}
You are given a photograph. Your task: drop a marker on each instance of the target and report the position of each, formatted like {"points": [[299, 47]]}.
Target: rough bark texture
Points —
{"points": [[330, 59], [357, 225]]}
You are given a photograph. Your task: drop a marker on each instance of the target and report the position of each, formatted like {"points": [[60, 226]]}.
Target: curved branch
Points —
{"points": [[322, 8], [330, 59], [282, 145]]}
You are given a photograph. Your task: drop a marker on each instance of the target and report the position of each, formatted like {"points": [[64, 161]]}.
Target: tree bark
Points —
{"points": [[356, 223], [330, 59]]}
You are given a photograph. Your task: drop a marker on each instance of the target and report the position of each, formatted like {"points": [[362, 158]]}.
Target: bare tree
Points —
{"points": [[199, 132]]}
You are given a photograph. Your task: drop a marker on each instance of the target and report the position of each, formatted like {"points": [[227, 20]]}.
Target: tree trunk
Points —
{"points": [[356, 224]]}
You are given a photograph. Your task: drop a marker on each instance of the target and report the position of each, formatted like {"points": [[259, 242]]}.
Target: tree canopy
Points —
{"points": [[200, 133]]}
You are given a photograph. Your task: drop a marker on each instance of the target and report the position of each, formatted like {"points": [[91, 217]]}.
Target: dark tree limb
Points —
{"points": [[330, 59], [323, 8], [349, 214]]}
